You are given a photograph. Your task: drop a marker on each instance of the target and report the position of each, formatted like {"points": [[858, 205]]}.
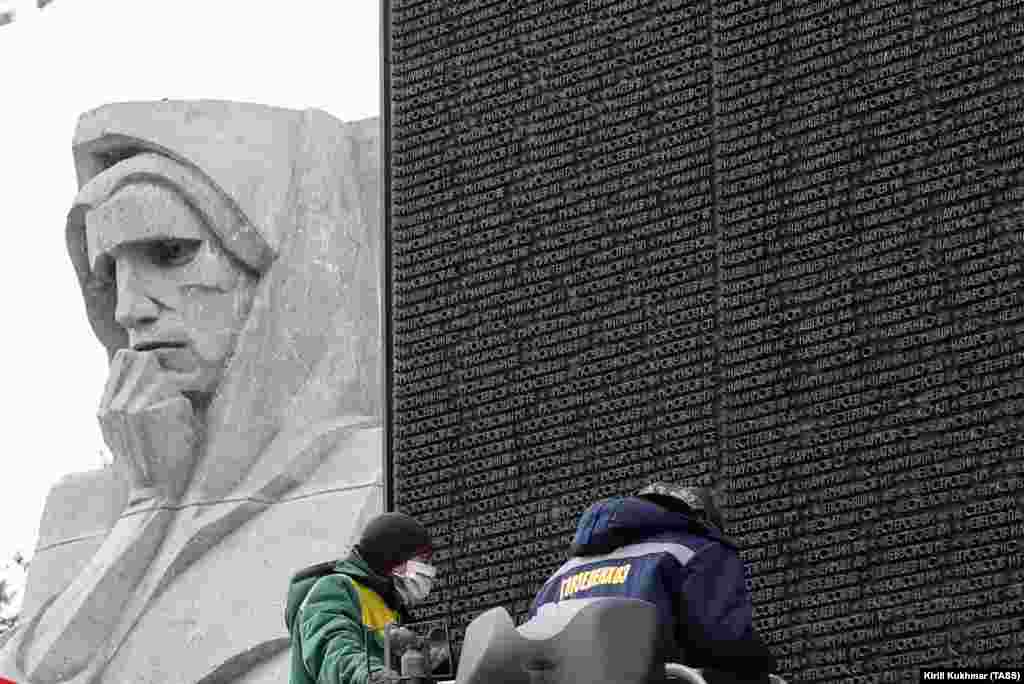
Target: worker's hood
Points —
{"points": [[354, 567], [611, 523]]}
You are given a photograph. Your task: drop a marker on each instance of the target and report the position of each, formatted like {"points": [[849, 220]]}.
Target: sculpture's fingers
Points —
{"points": [[175, 419], [138, 447], [111, 425], [142, 373], [121, 434], [115, 378], [166, 433], [164, 384]]}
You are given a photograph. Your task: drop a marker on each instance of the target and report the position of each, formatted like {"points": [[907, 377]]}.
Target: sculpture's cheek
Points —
{"points": [[213, 318]]}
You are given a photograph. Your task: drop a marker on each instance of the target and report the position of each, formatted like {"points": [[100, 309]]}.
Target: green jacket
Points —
{"points": [[335, 615]]}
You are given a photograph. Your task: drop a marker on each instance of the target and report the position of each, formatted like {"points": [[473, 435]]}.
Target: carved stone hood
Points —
{"points": [[311, 237]]}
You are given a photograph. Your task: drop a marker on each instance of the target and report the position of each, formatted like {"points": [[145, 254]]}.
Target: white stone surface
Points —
{"points": [[135, 582]]}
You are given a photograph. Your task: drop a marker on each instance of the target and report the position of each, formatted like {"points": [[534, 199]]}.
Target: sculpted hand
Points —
{"points": [[149, 424]]}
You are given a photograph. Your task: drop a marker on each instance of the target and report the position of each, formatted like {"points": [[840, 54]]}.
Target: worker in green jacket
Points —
{"points": [[336, 611]]}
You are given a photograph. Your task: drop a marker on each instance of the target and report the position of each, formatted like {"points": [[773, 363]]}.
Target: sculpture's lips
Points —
{"points": [[172, 355], [154, 345]]}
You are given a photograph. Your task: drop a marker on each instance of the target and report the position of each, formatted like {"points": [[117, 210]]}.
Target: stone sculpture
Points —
{"points": [[229, 259]]}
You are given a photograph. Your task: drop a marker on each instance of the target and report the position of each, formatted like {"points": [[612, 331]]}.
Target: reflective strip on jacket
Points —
{"points": [[646, 571]]}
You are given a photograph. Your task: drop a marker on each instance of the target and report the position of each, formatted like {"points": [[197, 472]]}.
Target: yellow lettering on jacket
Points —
{"points": [[588, 579]]}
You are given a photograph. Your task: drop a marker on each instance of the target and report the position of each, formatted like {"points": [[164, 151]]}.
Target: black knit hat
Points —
{"points": [[390, 539]]}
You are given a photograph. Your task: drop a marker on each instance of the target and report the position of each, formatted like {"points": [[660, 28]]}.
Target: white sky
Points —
{"points": [[75, 55]]}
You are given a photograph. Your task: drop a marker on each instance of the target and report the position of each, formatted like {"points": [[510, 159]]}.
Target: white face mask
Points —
{"points": [[413, 581]]}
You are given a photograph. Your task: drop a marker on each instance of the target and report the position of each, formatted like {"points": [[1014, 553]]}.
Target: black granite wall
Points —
{"points": [[775, 246]]}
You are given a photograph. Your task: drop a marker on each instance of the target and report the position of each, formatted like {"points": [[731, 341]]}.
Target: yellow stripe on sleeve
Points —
{"points": [[376, 613]]}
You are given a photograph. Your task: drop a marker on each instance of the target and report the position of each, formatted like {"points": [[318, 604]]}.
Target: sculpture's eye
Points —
{"points": [[173, 252], [104, 271]]}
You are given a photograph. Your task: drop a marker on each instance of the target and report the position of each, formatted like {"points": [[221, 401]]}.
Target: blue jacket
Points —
{"points": [[634, 548]]}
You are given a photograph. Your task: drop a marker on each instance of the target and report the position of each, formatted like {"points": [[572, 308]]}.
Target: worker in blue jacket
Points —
{"points": [[665, 545]]}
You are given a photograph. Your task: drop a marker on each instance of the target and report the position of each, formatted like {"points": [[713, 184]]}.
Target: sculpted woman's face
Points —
{"points": [[180, 295]]}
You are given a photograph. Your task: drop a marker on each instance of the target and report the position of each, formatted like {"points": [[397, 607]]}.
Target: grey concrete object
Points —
{"points": [[172, 564], [606, 640]]}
